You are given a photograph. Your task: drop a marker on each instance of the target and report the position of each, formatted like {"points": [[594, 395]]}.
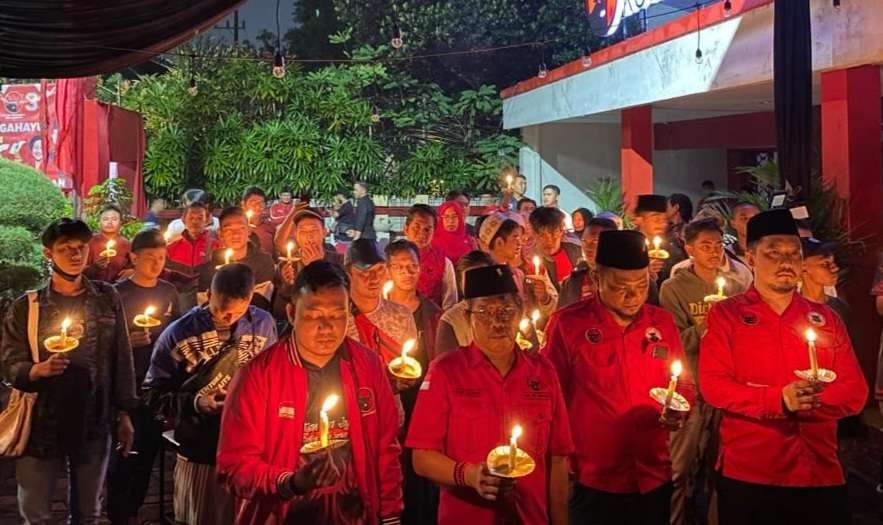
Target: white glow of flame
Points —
{"points": [[657, 242], [329, 403], [387, 289], [810, 335], [535, 316], [228, 255], [536, 264], [149, 311], [721, 282], [676, 368], [524, 325], [516, 433], [110, 244], [167, 235], [66, 323], [290, 247], [408, 347]]}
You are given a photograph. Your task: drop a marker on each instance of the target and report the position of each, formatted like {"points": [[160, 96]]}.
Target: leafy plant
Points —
{"points": [[606, 192], [115, 192]]}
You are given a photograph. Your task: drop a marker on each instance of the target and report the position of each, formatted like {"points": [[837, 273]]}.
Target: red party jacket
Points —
{"points": [[606, 373], [748, 355], [263, 423]]}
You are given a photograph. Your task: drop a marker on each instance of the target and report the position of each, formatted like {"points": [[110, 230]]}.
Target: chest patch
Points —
{"points": [[748, 318], [816, 318], [593, 335], [286, 412], [365, 399], [660, 351], [653, 335]]}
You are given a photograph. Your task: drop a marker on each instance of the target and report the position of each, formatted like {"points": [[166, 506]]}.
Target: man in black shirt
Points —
{"points": [[234, 237], [363, 220], [144, 293], [82, 393]]}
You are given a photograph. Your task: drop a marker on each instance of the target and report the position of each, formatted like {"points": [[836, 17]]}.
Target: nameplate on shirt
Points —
{"points": [[286, 412]]}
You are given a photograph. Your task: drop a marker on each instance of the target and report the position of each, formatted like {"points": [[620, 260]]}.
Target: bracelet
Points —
{"points": [[460, 474]]}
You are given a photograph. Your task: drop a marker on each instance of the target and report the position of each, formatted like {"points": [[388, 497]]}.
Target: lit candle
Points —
{"points": [[148, 312], [228, 255], [65, 324], [407, 348], [387, 289], [524, 326], [167, 236], [509, 182], [248, 215], [721, 282], [327, 405], [513, 446], [813, 359], [535, 318], [536, 265], [657, 242], [289, 248], [676, 369]]}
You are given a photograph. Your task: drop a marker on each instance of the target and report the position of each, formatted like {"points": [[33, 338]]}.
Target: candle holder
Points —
{"points": [[315, 447], [108, 253], [714, 298], [678, 403], [658, 253], [523, 342], [405, 367], [293, 259], [499, 464], [146, 321], [57, 344], [822, 376]]}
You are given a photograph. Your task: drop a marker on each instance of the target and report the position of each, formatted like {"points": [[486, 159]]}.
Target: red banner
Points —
{"points": [[28, 128]]}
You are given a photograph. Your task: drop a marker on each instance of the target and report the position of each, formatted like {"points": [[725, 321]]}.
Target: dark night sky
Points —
{"points": [[259, 15]]}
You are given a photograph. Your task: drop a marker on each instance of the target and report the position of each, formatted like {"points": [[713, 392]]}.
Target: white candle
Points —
{"points": [[513, 446], [228, 255], [387, 289], [535, 318], [248, 215], [524, 326], [289, 249], [536, 265], [509, 182], [407, 348], [65, 324], [676, 369], [813, 358], [657, 242], [167, 236], [721, 282], [327, 405]]}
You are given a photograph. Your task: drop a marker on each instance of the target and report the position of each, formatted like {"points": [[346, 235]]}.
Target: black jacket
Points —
{"points": [[106, 382], [363, 220]]}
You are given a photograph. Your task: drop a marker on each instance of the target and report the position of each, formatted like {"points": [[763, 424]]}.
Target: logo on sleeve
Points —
{"points": [[593, 335], [816, 318], [653, 334]]}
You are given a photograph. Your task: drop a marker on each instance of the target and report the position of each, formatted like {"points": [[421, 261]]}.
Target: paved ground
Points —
{"points": [[862, 457]]}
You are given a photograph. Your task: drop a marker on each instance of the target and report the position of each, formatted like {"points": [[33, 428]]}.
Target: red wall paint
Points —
{"points": [[636, 153], [747, 131]]}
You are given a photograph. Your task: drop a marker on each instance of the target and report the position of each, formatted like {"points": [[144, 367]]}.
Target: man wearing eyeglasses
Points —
{"points": [[609, 351], [381, 325], [469, 403]]}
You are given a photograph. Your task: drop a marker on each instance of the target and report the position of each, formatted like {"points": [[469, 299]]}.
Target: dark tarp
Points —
{"points": [[76, 38], [793, 91]]}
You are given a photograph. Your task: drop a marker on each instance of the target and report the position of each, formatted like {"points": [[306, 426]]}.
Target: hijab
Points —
{"points": [[456, 243]]}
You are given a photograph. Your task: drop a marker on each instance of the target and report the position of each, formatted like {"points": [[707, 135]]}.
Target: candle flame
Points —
{"points": [[66, 323], [536, 264], [228, 255], [329, 403], [657, 242], [408, 347], [721, 282], [149, 311], [516, 432], [524, 325], [167, 235], [249, 214], [290, 247], [509, 179], [535, 315], [387, 288], [810, 335], [676, 368], [110, 245]]}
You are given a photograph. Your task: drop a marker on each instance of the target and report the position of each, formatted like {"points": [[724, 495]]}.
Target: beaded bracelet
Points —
{"points": [[460, 474]]}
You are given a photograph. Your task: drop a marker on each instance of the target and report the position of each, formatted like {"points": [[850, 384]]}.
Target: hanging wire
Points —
{"points": [[698, 33]]}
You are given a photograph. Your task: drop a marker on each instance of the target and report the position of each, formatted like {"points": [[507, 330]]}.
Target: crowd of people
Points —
{"points": [[269, 343]]}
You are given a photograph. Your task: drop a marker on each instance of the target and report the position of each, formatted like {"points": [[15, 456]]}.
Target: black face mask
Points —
{"points": [[64, 275]]}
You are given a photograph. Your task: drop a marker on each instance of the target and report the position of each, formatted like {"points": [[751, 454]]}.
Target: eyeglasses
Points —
{"points": [[505, 313], [550, 234], [404, 268]]}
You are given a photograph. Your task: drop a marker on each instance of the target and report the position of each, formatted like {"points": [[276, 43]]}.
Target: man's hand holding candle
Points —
{"points": [[802, 395], [487, 485]]}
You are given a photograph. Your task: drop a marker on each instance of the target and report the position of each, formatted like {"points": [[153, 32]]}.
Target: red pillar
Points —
{"points": [[852, 163], [636, 153]]}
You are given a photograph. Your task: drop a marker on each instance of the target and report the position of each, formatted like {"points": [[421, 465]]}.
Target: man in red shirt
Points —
{"points": [[468, 405], [196, 243], [263, 232], [609, 351], [281, 208], [100, 268], [559, 258], [273, 409], [778, 455]]}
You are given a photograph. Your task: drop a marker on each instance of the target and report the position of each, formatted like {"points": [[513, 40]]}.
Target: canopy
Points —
{"points": [[77, 38]]}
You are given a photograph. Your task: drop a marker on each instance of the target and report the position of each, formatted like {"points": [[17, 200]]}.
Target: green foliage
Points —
{"points": [[29, 199], [606, 192], [115, 192], [30, 203], [315, 131]]}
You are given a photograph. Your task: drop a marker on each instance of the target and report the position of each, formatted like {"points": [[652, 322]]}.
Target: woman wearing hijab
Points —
{"points": [[581, 218], [451, 238]]}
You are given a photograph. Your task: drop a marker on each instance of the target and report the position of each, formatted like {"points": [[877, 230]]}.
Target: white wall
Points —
{"points": [[582, 153]]}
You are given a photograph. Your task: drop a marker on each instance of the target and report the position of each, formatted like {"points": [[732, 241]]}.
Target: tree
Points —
{"points": [[315, 22]]}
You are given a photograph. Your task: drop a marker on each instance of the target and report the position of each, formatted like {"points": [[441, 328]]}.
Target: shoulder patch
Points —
{"points": [[816, 318], [593, 335], [748, 318], [653, 334]]}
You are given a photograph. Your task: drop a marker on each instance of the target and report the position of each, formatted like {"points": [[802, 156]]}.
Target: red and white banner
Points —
{"points": [[28, 127]]}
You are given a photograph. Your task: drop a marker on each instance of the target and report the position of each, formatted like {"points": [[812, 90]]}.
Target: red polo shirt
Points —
{"points": [[748, 355], [465, 408], [606, 373]]}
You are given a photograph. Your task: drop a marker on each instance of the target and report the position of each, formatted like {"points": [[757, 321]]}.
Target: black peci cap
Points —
{"points": [[651, 203], [65, 229], [485, 281], [771, 222], [363, 254], [623, 250], [812, 247]]}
